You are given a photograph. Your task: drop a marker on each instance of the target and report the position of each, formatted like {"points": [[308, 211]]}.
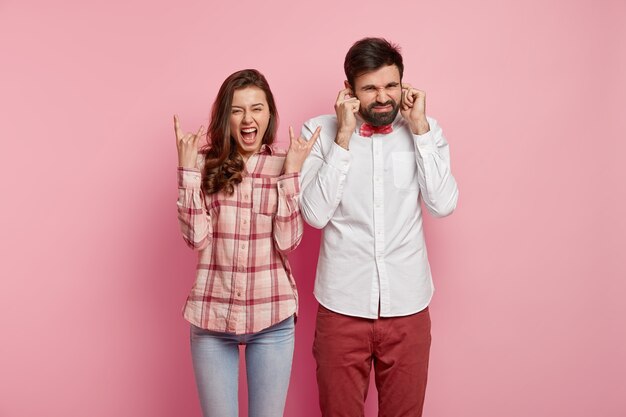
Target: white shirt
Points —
{"points": [[367, 201]]}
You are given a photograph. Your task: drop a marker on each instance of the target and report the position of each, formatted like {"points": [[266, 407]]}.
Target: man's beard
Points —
{"points": [[377, 118]]}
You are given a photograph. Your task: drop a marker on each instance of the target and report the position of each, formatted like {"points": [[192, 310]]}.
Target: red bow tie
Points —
{"points": [[368, 130]]}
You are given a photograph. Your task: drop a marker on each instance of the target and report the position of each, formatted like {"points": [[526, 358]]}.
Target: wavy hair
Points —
{"points": [[223, 165]]}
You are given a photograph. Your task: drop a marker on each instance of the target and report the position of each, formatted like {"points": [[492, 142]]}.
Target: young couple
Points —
{"points": [[360, 175]]}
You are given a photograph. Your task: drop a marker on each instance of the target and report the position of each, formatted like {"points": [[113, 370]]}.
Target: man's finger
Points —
{"points": [[410, 95], [342, 94], [407, 98]]}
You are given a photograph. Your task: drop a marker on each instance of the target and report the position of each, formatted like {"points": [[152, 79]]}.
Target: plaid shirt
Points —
{"points": [[243, 279]]}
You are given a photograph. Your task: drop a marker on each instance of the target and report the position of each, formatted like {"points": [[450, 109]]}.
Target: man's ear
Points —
{"points": [[347, 85]]}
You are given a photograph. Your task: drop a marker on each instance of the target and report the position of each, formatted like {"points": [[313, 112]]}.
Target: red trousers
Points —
{"points": [[345, 348]]}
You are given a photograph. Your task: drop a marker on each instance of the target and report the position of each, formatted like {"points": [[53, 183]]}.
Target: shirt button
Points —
{"points": [[238, 293], [243, 246], [245, 196], [244, 221], [241, 269]]}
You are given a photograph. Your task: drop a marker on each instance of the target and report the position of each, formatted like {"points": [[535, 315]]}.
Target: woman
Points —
{"points": [[238, 206]]}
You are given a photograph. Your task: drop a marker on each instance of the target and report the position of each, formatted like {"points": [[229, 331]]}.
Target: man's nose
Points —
{"points": [[381, 96]]}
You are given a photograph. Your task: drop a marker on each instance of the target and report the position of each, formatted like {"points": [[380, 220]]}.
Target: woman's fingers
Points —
{"points": [[177, 128], [182, 137], [199, 134], [316, 135], [291, 137]]}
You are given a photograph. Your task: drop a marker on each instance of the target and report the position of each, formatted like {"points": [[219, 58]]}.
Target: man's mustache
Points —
{"points": [[387, 103]]}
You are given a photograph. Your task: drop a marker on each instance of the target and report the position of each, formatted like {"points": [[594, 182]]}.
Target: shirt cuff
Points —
{"points": [[189, 177], [289, 184], [338, 158], [425, 143]]}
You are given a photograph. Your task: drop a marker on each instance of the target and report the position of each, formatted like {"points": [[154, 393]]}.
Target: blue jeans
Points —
{"points": [[215, 358]]}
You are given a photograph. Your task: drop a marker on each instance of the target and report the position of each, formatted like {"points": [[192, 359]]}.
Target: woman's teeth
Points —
{"points": [[248, 134]]}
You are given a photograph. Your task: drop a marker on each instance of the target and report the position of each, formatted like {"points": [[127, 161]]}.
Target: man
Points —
{"points": [[375, 159]]}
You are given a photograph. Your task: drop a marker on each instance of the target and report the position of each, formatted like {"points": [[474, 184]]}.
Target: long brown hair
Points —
{"points": [[223, 165]]}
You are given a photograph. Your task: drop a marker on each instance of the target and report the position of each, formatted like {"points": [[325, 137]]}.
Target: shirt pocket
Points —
{"points": [[265, 196], [404, 169]]}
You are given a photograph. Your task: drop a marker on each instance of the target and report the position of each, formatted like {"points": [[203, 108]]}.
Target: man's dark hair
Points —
{"points": [[370, 54]]}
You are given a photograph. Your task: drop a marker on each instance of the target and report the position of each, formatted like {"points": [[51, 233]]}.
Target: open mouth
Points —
{"points": [[248, 135]]}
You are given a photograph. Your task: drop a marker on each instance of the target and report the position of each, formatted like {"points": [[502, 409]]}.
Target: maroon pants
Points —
{"points": [[345, 348]]}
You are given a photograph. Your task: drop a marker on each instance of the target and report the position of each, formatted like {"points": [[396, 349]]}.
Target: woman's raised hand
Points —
{"points": [[187, 145], [299, 149]]}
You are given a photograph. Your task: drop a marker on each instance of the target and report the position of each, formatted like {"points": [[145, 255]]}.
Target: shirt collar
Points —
{"points": [[266, 149], [251, 163]]}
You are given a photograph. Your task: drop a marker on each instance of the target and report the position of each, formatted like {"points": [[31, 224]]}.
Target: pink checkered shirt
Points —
{"points": [[243, 279]]}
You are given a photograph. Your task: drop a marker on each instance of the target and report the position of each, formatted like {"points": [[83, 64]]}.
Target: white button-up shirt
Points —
{"points": [[373, 260]]}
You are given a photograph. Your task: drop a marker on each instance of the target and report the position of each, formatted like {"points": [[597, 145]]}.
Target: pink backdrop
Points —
{"points": [[528, 318]]}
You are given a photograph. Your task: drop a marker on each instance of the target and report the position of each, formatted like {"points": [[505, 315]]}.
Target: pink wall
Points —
{"points": [[529, 316]]}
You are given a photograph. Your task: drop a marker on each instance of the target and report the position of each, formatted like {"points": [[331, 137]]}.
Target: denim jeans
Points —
{"points": [[215, 357]]}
